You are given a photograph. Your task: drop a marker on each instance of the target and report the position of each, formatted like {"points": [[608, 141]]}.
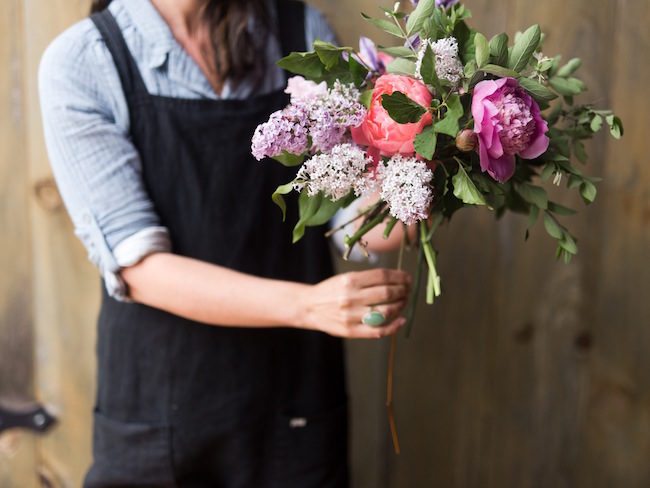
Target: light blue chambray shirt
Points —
{"points": [[86, 124]]}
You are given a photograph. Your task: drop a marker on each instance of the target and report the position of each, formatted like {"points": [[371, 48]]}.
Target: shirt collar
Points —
{"points": [[153, 29]]}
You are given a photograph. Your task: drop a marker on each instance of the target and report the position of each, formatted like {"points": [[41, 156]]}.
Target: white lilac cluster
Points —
{"points": [[335, 173], [315, 113], [448, 66], [405, 187]]}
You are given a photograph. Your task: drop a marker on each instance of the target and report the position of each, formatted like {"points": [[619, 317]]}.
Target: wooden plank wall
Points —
{"points": [[527, 373]]}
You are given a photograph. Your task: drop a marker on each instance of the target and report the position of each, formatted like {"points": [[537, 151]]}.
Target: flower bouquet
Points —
{"points": [[443, 120]]}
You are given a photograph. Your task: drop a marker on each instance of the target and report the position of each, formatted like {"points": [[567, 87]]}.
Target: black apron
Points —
{"points": [[185, 404]]}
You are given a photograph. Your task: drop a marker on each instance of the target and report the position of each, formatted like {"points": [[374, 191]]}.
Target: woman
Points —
{"points": [[219, 350]]}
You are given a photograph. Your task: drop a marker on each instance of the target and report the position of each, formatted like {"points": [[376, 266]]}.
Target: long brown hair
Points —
{"points": [[236, 48]]}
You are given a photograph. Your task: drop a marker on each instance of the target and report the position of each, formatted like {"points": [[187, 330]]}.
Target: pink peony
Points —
{"points": [[381, 132], [304, 90], [508, 122]]}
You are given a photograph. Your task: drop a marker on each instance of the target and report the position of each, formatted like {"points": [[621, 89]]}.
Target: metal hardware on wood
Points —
{"points": [[36, 419]]}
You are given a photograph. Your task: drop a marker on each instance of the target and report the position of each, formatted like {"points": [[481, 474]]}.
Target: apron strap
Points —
{"points": [[127, 68], [291, 23]]}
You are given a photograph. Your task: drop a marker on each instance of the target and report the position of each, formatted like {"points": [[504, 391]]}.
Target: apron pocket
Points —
{"points": [[129, 454], [313, 451]]}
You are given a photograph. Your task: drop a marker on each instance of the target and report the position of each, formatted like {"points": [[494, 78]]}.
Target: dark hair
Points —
{"points": [[236, 48]]}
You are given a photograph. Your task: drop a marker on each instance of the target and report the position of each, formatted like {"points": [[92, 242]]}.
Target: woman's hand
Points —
{"points": [[337, 305]]}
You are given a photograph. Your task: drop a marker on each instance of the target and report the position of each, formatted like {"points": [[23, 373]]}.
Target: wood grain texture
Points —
{"points": [[17, 449], [66, 286]]}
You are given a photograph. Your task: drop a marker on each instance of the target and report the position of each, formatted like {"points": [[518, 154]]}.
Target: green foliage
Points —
{"points": [[499, 49], [289, 160], [464, 188], [525, 46], [423, 11], [449, 124], [401, 108], [425, 142], [482, 50]]}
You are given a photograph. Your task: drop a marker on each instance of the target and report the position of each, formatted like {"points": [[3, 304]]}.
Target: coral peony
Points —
{"points": [[508, 122], [379, 131]]}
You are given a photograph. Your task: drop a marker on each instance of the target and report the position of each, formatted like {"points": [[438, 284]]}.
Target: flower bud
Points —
{"points": [[466, 140]]}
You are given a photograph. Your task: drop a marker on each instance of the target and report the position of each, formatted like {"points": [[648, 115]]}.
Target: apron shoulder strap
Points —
{"points": [[127, 68], [291, 22]]}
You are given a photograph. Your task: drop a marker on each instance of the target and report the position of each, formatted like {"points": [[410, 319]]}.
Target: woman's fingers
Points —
{"points": [[374, 277], [376, 295], [366, 332]]}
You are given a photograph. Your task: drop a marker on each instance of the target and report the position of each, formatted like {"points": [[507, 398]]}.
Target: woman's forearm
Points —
{"points": [[212, 294]]}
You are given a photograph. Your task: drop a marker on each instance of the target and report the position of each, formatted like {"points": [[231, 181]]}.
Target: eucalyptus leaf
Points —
{"points": [[481, 49], [580, 151], [401, 66], [425, 142], [533, 213], [535, 195], [398, 51], [524, 47], [588, 191], [560, 209], [569, 68], [568, 244], [499, 49], [548, 171], [401, 108], [464, 188], [596, 123], [538, 91], [422, 12], [499, 71], [565, 86], [385, 25], [552, 227]]}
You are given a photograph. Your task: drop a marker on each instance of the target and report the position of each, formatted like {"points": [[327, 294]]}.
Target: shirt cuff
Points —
{"points": [[345, 215]]}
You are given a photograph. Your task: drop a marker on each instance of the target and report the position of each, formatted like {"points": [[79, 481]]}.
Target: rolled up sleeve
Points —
{"points": [[96, 166]]}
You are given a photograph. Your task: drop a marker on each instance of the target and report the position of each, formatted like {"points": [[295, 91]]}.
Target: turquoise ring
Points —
{"points": [[374, 318]]}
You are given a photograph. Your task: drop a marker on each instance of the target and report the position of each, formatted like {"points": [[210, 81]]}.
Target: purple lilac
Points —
{"points": [[286, 130]]}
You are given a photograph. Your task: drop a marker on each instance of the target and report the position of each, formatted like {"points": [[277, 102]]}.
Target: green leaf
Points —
{"points": [[533, 213], [552, 227], [449, 125], [306, 64], [569, 68], [385, 25], [358, 71], [538, 91], [279, 200], [548, 171], [535, 195], [401, 108], [588, 191], [499, 49], [596, 123], [615, 126], [365, 98], [464, 188], [499, 71], [328, 53], [481, 49], [289, 159], [307, 208], [524, 47], [401, 66], [560, 209], [425, 142], [580, 151], [428, 69], [328, 209], [397, 51], [568, 244], [423, 11], [565, 86]]}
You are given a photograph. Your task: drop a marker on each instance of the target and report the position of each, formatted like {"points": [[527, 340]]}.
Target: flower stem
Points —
{"points": [[369, 223], [433, 282]]}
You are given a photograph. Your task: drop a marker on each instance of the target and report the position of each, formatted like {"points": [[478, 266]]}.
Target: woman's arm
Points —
{"points": [[216, 295]]}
